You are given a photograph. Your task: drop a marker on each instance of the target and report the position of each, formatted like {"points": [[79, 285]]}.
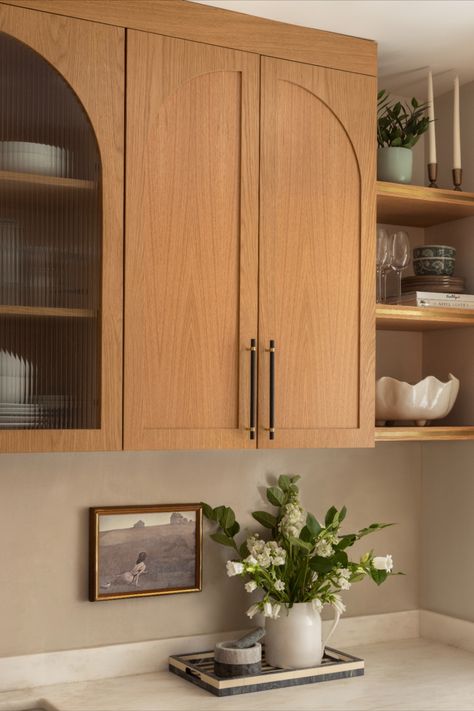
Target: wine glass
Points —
{"points": [[382, 262], [399, 257]]}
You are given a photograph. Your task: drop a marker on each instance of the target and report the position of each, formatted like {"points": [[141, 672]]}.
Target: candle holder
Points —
{"points": [[457, 178], [432, 174]]}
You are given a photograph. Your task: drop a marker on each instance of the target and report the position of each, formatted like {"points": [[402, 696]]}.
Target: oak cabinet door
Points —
{"points": [[317, 220], [61, 232], [192, 243]]}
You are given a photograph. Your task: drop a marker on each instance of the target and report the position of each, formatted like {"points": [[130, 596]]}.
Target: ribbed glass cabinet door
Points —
{"points": [[50, 249]]}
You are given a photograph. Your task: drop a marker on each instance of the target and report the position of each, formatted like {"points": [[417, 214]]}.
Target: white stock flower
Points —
{"points": [[338, 604], [323, 548], [279, 585], [250, 586], [383, 562], [293, 519], [252, 611], [344, 584], [316, 604], [234, 568], [344, 573], [343, 579], [264, 554]]}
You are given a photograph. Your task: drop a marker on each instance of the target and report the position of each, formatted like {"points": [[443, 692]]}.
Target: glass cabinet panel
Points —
{"points": [[50, 249]]}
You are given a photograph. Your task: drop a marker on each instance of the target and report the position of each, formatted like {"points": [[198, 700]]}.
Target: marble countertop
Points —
{"points": [[413, 674]]}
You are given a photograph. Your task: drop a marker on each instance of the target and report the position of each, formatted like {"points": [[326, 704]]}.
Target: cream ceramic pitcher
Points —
{"points": [[294, 640]]}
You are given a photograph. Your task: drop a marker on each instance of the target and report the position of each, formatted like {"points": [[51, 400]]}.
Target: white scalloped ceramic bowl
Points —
{"points": [[430, 399]]}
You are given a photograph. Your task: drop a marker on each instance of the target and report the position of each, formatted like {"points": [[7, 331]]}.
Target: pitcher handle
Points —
{"points": [[337, 617]]}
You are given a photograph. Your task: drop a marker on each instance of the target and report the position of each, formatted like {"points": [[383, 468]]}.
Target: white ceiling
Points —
{"points": [[412, 34]]}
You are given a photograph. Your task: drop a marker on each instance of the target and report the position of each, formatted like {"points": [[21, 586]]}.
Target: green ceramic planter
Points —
{"points": [[394, 165]]}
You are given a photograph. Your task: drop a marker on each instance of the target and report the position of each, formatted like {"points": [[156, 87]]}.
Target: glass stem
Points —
{"points": [[399, 285]]}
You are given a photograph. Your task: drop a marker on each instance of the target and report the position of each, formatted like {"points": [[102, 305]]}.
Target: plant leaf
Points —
{"points": [[208, 511], [222, 539], [284, 482], [300, 543], [321, 565], [275, 496], [265, 519], [313, 525], [228, 518], [330, 516]]}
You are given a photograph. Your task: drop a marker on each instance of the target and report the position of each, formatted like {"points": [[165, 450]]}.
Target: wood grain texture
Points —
{"points": [[191, 255], [186, 20], [421, 318], [44, 311], [418, 206], [91, 59], [422, 434], [316, 255]]}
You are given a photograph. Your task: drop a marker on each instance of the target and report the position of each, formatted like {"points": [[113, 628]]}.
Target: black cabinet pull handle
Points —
{"points": [[253, 364], [271, 424]]}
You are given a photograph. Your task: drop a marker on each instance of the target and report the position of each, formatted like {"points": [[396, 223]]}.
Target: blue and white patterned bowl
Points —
{"points": [[434, 250], [439, 266]]}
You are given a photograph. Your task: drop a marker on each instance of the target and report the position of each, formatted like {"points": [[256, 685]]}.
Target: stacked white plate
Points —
{"points": [[40, 158]]}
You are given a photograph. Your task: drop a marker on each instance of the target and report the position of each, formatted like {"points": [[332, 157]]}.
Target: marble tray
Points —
{"points": [[198, 668]]}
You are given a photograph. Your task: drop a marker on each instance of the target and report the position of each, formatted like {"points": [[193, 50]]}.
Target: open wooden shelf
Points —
{"points": [[417, 206], [421, 318], [13, 184], [46, 311], [422, 434]]}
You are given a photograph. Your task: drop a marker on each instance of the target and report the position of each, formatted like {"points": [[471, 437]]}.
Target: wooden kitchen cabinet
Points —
{"points": [[317, 220], [249, 219], [192, 243], [61, 206], [192, 263]]}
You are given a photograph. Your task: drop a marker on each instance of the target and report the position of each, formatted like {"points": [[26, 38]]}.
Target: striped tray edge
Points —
{"points": [[198, 668]]}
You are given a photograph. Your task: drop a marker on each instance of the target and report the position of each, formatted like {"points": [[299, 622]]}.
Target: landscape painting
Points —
{"points": [[137, 551]]}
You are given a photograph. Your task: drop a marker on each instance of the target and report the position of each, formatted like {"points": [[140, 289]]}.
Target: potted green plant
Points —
{"points": [[302, 566], [399, 127]]}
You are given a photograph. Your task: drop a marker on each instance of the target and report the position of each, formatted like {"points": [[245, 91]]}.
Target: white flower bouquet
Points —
{"points": [[304, 561]]}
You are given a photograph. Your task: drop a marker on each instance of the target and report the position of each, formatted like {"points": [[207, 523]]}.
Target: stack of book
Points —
{"points": [[434, 299]]}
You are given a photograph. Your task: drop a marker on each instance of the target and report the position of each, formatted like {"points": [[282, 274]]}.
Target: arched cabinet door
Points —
{"points": [[191, 247], [317, 220], [61, 223]]}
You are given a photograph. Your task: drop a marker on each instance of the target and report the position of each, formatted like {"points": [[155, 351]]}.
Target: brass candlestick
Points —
{"points": [[457, 178], [432, 174]]}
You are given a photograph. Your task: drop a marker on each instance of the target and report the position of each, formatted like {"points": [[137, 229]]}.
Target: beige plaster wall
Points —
{"points": [[447, 581], [447, 566], [44, 502]]}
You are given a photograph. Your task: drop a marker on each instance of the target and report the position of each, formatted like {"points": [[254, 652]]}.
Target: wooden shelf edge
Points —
{"points": [[423, 193], [423, 434], [48, 181], [44, 311], [421, 318]]}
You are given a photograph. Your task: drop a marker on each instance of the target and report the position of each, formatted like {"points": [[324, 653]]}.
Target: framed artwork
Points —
{"points": [[136, 551]]}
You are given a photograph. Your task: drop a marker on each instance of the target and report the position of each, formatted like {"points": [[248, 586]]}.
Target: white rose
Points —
{"points": [[383, 562], [252, 611], [234, 568], [251, 586]]}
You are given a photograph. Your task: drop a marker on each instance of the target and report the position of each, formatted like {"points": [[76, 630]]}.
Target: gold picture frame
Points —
{"points": [[139, 551]]}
